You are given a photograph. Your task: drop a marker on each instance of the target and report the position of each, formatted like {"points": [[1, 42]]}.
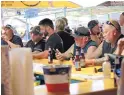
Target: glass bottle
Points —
{"points": [[82, 59], [77, 61], [50, 57]]}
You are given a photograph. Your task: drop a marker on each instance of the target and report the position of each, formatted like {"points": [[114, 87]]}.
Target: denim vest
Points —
{"points": [[90, 43]]}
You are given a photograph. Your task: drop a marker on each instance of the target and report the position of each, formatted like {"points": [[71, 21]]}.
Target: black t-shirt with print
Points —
{"points": [[55, 42], [40, 46], [15, 40], [90, 43]]}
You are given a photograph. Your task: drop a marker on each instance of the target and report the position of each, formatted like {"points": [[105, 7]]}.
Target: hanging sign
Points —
{"points": [[30, 13]]}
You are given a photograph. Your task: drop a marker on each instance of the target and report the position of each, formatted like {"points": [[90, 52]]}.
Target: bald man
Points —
{"points": [[111, 33]]}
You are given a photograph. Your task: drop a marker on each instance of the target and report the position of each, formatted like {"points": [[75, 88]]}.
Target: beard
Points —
{"points": [[46, 33], [107, 40], [77, 45]]}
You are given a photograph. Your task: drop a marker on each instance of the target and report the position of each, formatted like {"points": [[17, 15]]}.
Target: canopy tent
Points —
{"points": [[112, 3], [26, 8], [97, 10], [17, 8]]}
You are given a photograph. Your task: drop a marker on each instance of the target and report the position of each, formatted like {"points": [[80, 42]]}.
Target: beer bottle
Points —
{"points": [[77, 61], [50, 56], [82, 59]]}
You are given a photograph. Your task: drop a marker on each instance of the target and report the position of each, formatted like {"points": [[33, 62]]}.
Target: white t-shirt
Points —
{"points": [[122, 30]]}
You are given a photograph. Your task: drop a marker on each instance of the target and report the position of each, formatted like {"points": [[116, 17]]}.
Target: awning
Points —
{"points": [[112, 3], [38, 4]]}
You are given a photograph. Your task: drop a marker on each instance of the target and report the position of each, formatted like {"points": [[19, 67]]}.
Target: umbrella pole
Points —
{"points": [[65, 11], [27, 30], [108, 17], [2, 21], [91, 14]]}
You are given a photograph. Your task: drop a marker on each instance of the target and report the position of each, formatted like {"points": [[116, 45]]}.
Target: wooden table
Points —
{"points": [[88, 87]]}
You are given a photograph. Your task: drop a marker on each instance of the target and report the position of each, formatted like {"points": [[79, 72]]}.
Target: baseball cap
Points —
{"points": [[8, 26], [36, 30], [115, 24], [92, 24], [81, 31]]}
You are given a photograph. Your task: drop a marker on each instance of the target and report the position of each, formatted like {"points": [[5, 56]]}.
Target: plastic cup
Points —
{"points": [[57, 77]]}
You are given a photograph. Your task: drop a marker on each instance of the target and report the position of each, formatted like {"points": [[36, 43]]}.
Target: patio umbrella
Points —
{"points": [[38, 4]]}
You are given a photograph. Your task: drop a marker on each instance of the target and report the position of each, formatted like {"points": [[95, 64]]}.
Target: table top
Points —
{"points": [[82, 88], [95, 82], [87, 72]]}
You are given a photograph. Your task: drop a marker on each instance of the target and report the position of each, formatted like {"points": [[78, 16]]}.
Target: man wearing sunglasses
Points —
{"points": [[37, 43], [8, 37], [95, 32], [112, 34]]}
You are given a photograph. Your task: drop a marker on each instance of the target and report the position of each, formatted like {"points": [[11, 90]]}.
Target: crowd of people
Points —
{"points": [[94, 40]]}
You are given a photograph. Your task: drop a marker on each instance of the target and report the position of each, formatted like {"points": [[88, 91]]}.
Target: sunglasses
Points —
{"points": [[109, 23]]}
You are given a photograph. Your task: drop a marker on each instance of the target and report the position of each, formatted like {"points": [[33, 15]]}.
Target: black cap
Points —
{"points": [[81, 31], [36, 30], [92, 24]]}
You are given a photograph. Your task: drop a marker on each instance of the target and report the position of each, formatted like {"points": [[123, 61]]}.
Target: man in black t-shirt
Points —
{"points": [[37, 43], [54, 41], [8, 37]]}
